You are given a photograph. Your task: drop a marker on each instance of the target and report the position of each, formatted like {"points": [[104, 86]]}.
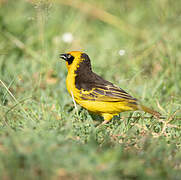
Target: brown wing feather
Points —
{"points": [[95, 88], [109, 93]]}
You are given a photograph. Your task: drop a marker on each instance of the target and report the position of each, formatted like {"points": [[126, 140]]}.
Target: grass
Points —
{"points": [[42, 136]]}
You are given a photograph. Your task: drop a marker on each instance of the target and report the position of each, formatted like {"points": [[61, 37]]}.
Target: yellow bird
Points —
{"points": [[94, 93]]}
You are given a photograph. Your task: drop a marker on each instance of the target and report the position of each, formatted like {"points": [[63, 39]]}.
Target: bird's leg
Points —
{"points": [[107, 117], [75, 105], [105, 122]]}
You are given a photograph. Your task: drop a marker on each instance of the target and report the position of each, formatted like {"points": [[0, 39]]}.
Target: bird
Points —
{"points": [[96, 94]]}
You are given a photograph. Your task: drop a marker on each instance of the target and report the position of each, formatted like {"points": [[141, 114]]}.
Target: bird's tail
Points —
{"points": [[151, 111]]}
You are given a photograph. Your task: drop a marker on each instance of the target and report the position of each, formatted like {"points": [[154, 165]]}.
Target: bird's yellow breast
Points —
{"points": [[70, 83], [70, 80]]}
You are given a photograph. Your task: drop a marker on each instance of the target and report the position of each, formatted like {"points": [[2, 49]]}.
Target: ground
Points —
{"points": [[134, 44]]}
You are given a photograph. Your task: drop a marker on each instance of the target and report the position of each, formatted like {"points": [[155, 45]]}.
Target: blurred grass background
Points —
{"points": [[41, 137]]}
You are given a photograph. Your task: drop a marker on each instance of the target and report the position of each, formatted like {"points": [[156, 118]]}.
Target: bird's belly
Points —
{"points": [[100, 107]]}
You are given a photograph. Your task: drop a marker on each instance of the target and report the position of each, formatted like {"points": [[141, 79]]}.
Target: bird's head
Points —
{"points": [[75, 59]]}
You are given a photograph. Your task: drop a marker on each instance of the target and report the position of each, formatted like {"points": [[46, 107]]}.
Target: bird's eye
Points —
{"points": [[70, 59], [68, 56]]}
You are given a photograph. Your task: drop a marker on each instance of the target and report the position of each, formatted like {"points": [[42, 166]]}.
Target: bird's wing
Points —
{"points": [[107, 93]]}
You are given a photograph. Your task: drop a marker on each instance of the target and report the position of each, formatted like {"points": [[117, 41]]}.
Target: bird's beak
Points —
{"points": [[63, 56]]}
